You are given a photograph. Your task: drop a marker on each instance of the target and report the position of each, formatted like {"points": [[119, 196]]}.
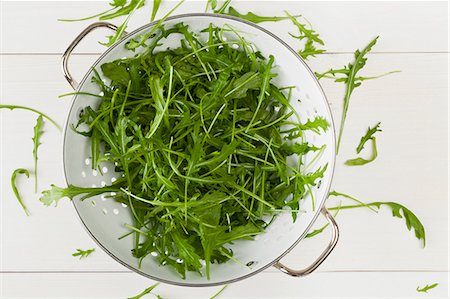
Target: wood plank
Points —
{"points": [[411, 168], [344, 26], [263, 285]]}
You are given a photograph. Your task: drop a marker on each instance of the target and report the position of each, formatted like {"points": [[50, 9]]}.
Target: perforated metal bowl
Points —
{"points": [[104, 218]]}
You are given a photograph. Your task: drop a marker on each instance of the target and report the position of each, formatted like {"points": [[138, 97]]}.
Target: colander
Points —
{"points": [[104, 218]]}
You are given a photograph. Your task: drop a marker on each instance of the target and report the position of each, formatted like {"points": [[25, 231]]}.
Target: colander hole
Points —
{"points": [[113, 193], [87, 161], [124, 205], [235, 46], [94, 172], [115, 211], [105, 211], [113, 179], [93, 203], [179, 261], [154, 253], [103, 183], [80, 112], [83, 174], [319, 184], [251, 263], [101, 93], [105, 169]]}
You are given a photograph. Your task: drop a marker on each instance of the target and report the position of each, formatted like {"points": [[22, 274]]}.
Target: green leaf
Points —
{"points": [[37, 134], [145, 292], [156, 5], [12, 107], [368, 136], [426, 288], [187, 253], [361, 161], [56, 193], [398, 210], [117, 3], [116, 71], [308, 36], [219, 292], [14, 187], [83, 253], [241, 85], [125, 10], [349, 75], [255, 18], [316, 124], [134, 44]]}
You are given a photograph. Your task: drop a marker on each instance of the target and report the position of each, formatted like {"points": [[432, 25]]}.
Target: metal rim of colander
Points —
{"points": [[331, 166]]}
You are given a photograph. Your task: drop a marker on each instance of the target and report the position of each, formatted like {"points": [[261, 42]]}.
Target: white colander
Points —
{"points": [[104, 218]]}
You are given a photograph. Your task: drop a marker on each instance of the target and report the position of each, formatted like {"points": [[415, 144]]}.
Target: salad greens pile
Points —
{"points": [[203, 137]]}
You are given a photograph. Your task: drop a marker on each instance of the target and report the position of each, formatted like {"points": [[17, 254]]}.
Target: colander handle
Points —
{"points": [[322, 257], [72, 46]]}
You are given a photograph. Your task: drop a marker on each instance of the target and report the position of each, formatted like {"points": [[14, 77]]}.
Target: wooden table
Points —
{"points": [[376, 256]]}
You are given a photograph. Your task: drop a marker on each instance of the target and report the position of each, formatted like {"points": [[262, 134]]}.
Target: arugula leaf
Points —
{"points": [[83, 253], [426, 288], [87, 18], [156, 5], [311, 38], [320, 230], [221, 9], [361, 161], [349, 77], [255, 18], [12, 107], [317, 231], [136, 43], [316, 124], [38, 131], [368, 136], [398, 210], [126, 10], [145, 292], [14, 187], [219, 292], [56, 193], [212, 3]]}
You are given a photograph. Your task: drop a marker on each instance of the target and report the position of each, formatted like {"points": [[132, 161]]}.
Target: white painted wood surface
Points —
{"points": [[376, 256]]}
